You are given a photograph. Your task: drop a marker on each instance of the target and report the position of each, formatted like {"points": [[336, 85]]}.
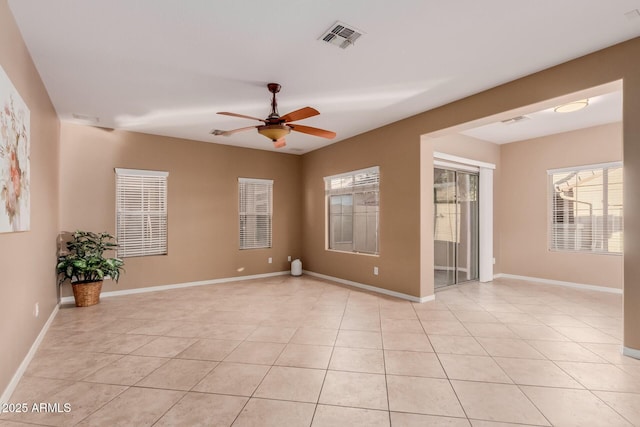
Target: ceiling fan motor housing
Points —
{"points": [[274, 87]]}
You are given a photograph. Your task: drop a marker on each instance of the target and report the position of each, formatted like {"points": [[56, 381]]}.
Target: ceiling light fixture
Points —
{"points": [[570, 107], [274, 132]]}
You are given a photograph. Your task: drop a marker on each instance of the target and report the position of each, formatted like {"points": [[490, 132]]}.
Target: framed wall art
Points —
{"points": [[14, 159]]}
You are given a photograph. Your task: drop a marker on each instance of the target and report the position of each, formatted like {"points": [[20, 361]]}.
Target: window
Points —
{"points": [[255, 197], [141, 212], [586, 209], [353, 205]]}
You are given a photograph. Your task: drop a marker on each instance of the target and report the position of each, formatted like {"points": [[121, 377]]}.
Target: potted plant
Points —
{"points": [[85, 265]]}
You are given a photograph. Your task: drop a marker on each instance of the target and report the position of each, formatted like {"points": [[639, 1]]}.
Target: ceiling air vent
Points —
{"points": [[633, 15], [86, 118], [341, 35], [513, 120]]}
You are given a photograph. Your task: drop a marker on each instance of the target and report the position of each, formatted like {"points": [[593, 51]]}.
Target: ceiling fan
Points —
{"points": [[276, 127]]}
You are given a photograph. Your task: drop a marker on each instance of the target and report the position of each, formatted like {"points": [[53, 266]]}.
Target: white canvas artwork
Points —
{"points": [[14, 158]]}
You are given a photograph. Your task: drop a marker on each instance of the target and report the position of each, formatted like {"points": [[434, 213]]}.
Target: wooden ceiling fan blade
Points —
{"points": [[300, 114], [313, 131], [230, 132], [279, 143], [225, 113]]}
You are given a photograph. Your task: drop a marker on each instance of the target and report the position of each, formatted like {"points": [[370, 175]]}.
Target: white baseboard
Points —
{"points": [[631, 352], [372, 288], [70, 300], [8, 391], [559, 283]]}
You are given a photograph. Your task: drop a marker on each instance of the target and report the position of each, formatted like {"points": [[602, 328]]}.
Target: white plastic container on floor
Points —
{"points": [[296, 267]]}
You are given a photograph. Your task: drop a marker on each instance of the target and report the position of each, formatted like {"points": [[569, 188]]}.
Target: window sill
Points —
{"points": [[353, 253]]}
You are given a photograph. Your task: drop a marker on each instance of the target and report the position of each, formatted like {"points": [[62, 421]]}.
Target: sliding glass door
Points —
{"points": [[455, 227]]}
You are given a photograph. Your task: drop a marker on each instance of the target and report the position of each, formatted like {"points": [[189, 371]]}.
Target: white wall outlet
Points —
{"points": [[375, 271], [494, 260], [270, 260], [289, 258], [36, 310]]}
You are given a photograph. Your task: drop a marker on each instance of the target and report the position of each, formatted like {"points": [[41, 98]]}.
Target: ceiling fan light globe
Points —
{"points": [[274, 132]]}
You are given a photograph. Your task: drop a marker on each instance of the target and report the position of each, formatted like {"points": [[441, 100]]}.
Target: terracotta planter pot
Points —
{"points": [[87, 294]]}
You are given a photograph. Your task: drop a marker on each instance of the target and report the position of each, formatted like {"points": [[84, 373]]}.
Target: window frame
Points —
{"points": [[350, 187], [243, 216], [553, 214], [137, 241]]}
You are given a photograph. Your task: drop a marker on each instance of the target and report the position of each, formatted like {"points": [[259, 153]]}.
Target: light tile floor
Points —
{"points": [[288, 351]]}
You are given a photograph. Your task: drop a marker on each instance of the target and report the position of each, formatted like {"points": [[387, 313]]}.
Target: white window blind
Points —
{"points": [[255, 196], [141, 212], [353, 200], [586, 209]]}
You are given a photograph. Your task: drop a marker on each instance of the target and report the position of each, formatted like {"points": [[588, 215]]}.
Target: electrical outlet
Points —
{"points": [[36, 310], [494, 260], [270, 260], [375, 271], [289, 258]]}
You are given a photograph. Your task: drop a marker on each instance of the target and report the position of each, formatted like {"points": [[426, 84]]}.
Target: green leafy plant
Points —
{"points": [[84, 261]]}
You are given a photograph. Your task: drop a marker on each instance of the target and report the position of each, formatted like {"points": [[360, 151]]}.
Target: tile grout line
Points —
{"points": [[326, 371], [562, 370], [356, 307], [464, 411], [384, 366], [609, 406]]}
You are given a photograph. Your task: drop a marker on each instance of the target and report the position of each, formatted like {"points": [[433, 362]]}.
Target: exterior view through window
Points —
{"points": [[586, 209], [353, 206]]}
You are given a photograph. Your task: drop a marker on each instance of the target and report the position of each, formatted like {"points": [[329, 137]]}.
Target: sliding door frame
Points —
{"points": [[485, 214]]}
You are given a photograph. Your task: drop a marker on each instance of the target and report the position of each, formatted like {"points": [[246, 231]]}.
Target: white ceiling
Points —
{"points": [[602, 109], [166, 67]]}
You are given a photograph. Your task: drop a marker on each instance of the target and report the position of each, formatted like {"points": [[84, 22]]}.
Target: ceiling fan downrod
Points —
{"points": [[274, 88]]}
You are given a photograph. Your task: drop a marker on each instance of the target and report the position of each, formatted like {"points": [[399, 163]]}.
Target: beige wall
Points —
{"points": [[523, 215], [202, 202], [407, 237], [27, 259], [396, 151]]}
